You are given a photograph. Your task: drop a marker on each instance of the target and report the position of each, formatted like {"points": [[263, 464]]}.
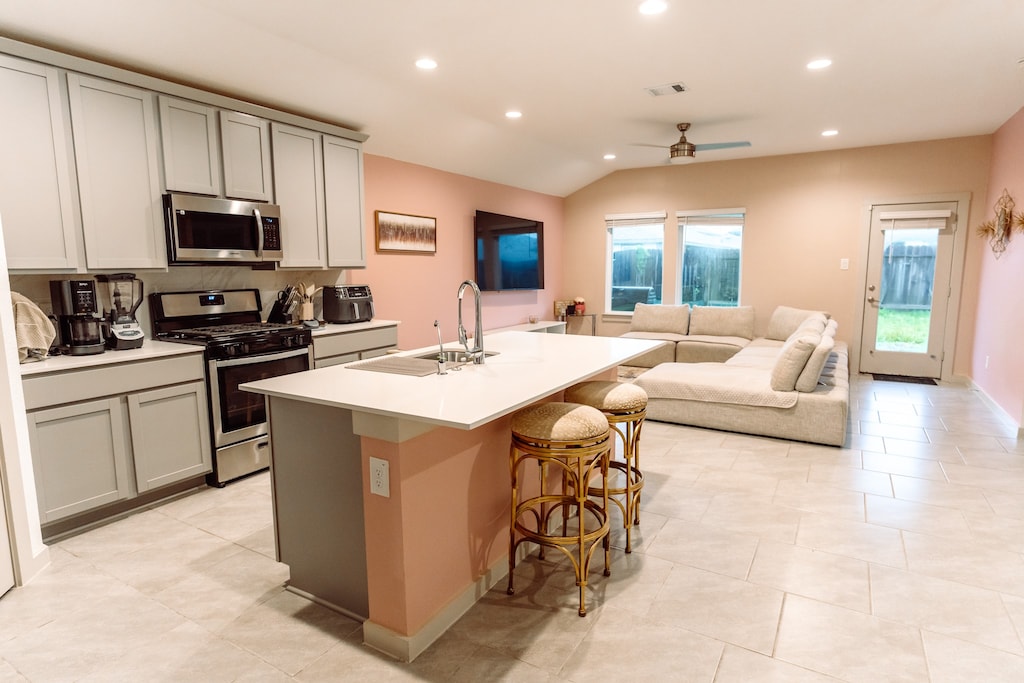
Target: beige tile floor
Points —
{"points": [[897, 558]]}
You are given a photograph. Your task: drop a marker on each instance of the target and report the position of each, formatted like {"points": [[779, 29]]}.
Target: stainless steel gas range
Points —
{"points": [[239, 348]]}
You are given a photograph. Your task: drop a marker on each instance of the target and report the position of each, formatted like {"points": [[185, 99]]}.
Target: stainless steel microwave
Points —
{"points": [[210, 230]]}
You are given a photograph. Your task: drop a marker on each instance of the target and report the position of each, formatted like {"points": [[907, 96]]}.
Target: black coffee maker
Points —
{"points": [[79, 329]]}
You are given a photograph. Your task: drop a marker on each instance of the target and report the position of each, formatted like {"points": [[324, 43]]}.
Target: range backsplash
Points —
{"points": [[188, 278]]}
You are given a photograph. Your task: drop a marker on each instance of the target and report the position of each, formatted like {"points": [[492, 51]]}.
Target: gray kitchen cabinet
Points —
{"points": [[344, 345], [110, 432], [343, 188], [37, 191], [299, 189], [115, 140], [80, 457], [188, 131], [245, 147], [170, 434]]}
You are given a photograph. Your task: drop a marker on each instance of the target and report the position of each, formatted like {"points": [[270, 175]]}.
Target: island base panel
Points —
{"points": [[318, 503]]}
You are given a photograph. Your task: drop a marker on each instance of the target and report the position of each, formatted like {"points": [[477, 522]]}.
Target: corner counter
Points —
{"points": [[412, 562]]}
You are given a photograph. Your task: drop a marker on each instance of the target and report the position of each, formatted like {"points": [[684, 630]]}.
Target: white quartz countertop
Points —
{"points": [[528, 366], [151, 349], [328, 329]]}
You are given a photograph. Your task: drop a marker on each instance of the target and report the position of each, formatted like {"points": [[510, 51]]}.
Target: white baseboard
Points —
{"points": [[996, 408], [407, 648]]}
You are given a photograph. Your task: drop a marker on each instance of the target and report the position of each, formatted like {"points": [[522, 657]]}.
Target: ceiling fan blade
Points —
{"points": [[721, 145], [647, 144]]}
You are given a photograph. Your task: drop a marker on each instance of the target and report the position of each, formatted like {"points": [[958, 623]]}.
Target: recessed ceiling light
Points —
{"points": [[513, 114], [426, 63], [822, 63], [609, 157], [829, 133], [653, 6]]}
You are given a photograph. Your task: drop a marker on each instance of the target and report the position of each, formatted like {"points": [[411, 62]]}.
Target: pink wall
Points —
{"points": [[417, 289], [1000, 319]]}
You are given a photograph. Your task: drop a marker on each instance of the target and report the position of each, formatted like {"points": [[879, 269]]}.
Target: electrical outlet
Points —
{"points": [[844, 264], [380, 479], [986, 362]]}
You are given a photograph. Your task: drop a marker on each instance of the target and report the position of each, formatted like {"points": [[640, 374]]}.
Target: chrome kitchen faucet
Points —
{"points": [[477, 352]]}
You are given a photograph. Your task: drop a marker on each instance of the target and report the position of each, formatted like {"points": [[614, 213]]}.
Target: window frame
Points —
{"points": [[681, 224], [625, 220]]}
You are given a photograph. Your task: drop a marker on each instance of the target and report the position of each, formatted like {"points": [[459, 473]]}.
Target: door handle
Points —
{"points": [[872, 300]]}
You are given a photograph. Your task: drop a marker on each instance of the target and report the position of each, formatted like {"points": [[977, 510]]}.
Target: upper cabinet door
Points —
{"points": [[299, 188], [191, 151], [343, 188], [115, 140], [245, 142], [36, 187]]}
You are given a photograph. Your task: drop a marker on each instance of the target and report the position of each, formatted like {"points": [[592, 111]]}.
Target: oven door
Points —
{"points": [[240, 415]]}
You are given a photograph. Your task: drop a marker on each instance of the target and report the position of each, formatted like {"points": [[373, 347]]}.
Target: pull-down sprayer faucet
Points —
{"points": [[477, 352]]}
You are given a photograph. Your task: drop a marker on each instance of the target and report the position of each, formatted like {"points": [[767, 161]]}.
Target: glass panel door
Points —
{"points": [[905, 290], [906, 297]]}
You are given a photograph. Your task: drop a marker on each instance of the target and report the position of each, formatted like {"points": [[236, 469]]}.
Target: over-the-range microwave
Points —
{"points": [[211, 230]]}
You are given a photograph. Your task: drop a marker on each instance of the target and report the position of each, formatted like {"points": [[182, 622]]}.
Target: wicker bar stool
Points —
{"points": [[625, 407], [573, 439]]}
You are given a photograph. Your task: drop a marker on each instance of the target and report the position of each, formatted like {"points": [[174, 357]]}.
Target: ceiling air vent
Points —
{"points": [[667, 89]]}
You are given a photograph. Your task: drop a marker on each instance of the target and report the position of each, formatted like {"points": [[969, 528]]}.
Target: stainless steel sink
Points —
{"points": [[454, 355]]}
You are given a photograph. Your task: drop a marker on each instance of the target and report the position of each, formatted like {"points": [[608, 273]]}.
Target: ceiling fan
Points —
{"points": [[684, 149]]}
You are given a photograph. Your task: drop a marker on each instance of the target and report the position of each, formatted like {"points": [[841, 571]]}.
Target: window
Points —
{"points": [[636, 245], [710, 243]]}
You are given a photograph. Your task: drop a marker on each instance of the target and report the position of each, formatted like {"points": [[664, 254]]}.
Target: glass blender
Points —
{"points": [[124, 293]]}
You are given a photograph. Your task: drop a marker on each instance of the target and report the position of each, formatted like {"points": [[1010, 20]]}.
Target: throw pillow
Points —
{"points": [[791, 361], [815, 324], [831, 327], [723, 321], [660, 318], [808, 379], [786, 320]]}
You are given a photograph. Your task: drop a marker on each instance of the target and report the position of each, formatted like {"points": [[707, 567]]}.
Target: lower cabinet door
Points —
{"points": [[170, 434], [80, 457]]}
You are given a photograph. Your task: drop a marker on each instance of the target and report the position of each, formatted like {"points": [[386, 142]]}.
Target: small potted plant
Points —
{"points": [[581, 305]]}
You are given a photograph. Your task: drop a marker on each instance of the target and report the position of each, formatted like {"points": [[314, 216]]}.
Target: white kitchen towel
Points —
{"points": [[32, 329]]}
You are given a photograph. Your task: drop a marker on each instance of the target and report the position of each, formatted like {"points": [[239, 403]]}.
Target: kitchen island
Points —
{"points": [[412, 562]]}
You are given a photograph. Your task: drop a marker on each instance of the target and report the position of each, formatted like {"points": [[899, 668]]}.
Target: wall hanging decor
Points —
{"points": [[405, 233], [997, 230]]}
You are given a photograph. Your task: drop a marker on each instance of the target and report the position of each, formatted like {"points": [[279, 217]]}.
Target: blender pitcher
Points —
{"points": [[125, 297]]}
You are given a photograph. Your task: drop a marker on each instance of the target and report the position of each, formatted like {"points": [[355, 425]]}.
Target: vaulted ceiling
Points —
{"points": [[578, 70]]}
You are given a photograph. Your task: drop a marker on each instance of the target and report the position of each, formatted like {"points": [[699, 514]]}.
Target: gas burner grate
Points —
{"points": [[237, 329]]}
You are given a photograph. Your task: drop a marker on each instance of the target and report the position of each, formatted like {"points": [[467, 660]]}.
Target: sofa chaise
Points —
{"points": [[793, 383]]}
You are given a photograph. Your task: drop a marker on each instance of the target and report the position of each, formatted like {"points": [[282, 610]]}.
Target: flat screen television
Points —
{"points": [[509, 252]]}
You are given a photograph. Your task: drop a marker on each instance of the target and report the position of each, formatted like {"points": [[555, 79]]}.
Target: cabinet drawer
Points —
{"points": [[354, 342], [108, 380]]}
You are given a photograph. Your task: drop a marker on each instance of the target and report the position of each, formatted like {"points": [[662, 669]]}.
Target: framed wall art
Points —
{"points": [[405, 233]]}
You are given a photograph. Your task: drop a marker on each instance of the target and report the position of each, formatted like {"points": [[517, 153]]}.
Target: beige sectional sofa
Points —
{"points": [[793, 383], [691, 335]]}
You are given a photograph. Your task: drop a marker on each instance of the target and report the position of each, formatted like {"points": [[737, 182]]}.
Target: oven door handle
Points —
{"points": [[250, 360]]}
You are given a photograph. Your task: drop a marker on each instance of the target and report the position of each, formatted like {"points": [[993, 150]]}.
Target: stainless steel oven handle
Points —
{"points": [[251, 360], [259, 232]]}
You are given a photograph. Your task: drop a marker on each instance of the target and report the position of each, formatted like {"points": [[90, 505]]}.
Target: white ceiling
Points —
{"points": [[903, 70]]}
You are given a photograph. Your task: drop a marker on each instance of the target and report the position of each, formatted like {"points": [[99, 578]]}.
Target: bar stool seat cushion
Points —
{"points": [[613, 397], [559, 422]]}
